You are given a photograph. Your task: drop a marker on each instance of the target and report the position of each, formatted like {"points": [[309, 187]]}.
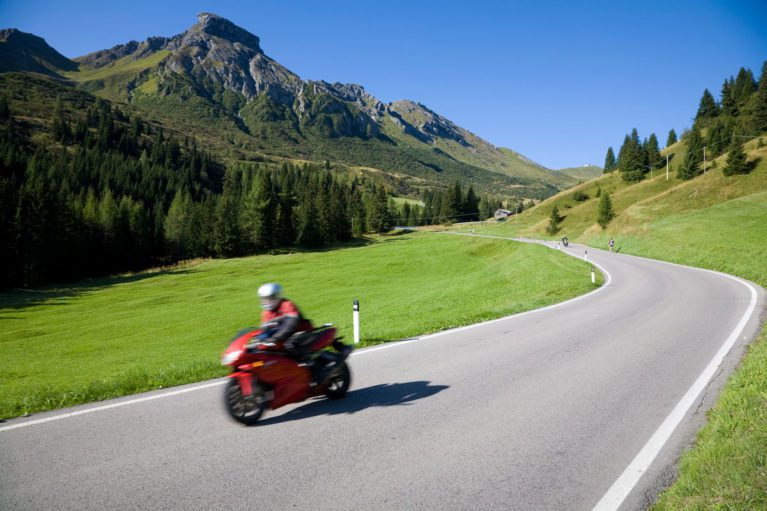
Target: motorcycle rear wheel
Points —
{"points": [[245, 409], [339, 382]]}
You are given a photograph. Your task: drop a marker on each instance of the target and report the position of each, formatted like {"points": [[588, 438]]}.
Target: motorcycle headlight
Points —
{"points": [[229, 358]]}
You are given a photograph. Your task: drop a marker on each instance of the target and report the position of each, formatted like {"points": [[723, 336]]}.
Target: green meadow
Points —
{"points": [[98, 339]]}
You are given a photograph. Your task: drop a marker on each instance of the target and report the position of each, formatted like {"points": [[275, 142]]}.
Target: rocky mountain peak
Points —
{"points": [[216, 26]]}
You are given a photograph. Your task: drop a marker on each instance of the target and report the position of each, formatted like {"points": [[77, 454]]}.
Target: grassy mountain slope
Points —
{"points": [[583, 173], [20, 51], [262, 129], [462, 145]]}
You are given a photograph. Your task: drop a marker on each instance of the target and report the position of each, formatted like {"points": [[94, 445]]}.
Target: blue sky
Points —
{"points": [[556, 81]]}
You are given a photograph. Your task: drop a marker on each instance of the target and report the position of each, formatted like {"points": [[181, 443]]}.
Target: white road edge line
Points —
{"points": [[626, 482], [356, 353], [111, 405]]}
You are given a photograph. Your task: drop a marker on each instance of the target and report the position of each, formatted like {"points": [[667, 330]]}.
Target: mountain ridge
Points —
{"points": [[215, 75]]}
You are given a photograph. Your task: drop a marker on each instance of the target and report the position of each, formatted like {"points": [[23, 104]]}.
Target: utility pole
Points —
{"points": [[666, 167], [704, 159]]}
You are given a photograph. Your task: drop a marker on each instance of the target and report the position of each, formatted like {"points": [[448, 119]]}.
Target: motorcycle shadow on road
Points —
{"points": [[385, 394]]}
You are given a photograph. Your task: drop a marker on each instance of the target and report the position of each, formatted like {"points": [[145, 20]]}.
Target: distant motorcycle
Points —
{"points": [[565, 242], [266, 376]]}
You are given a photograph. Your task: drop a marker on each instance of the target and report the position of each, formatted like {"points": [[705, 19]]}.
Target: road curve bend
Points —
{"points": [[550, 409]]}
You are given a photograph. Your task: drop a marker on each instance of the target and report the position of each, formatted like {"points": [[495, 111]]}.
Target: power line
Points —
{"points": [[430, 218]]}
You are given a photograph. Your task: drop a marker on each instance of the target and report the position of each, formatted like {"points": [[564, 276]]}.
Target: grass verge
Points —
{"points": [[727, 469], [106, 338]]}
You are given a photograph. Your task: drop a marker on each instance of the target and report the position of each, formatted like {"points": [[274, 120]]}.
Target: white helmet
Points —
{"points": [[271, 295]]}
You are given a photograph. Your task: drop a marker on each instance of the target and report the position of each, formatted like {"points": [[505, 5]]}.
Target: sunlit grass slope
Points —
{"points": [[112, 337]]}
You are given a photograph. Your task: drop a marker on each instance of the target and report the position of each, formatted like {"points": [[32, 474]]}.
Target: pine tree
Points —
{"points": [[690, 167], [707, 108], [736, 159], [717, 139], [471, 205], [176, 225], [308, 229], [671, 139], [729, 104], [760, 103], [403, 218], [631, 158], [610, 162], [260, 212], [604, 210], [286, 230], [356, 210], [227, 230], [453, 204], [339, 206], [744, 87], [60, 127], [554, 220], [652, 151], [377, 210], [325, 213]]}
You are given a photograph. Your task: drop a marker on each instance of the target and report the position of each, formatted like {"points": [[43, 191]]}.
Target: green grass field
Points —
{"points": [[105, 338]]}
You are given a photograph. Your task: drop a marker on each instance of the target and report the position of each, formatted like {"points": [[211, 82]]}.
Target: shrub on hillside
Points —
{"points": [[580, 196]]}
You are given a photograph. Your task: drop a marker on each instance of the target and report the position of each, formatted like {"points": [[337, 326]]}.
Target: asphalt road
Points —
{"points": [[543, 410]]}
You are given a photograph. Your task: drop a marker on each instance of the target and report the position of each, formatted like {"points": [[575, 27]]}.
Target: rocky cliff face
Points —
{"points": [[420, 122], [226, 54]]}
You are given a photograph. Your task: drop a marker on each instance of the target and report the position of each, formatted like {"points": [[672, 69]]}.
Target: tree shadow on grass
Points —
{"points": [[385, 394], [58, 294]]}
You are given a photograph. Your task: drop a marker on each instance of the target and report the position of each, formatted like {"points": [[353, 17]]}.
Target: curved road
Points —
{"points": [[542, 410]]}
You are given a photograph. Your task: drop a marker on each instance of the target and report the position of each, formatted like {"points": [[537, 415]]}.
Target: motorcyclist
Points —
{"points": [[275, 308]]}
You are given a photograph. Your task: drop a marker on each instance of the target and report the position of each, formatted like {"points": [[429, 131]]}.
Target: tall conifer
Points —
{"points": [[671, 139], [736, 159], [690, 167], [604, 210], [610, 162], [760, 102]]}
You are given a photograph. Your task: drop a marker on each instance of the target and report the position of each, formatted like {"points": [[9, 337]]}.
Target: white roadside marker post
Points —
{"points": [[356, 318], [593, 276], [585, 255]]}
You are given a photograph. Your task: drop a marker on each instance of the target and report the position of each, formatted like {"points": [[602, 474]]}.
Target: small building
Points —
{"points": [[502, 213]]}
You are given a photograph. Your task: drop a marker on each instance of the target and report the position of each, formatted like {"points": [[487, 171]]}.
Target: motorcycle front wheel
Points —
{"points": [[338, 382], [245, 409]]}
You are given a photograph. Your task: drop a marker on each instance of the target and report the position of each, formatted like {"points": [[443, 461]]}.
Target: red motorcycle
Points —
{"points": [[266, 375]]}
